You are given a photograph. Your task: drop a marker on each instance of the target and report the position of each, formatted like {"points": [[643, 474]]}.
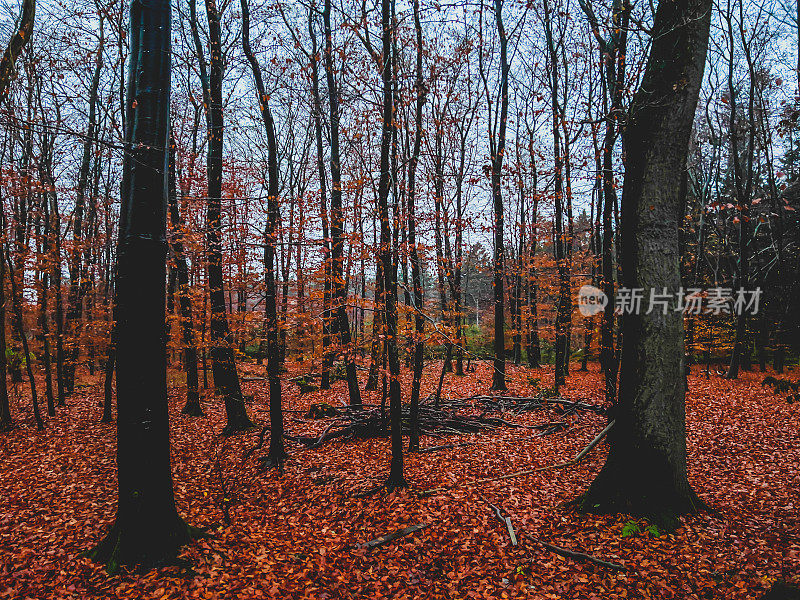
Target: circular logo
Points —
{"points": [[591, 300]]}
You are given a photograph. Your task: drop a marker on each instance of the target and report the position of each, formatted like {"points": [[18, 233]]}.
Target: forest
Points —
{"points": [[404, 298]]}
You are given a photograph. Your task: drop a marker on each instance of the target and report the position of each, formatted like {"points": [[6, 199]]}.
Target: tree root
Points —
{"points": [[116, 550]]}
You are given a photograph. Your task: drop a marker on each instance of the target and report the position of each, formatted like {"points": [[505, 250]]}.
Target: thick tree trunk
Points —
{"points": [[108, 375], [148, 530], [645, 472]]}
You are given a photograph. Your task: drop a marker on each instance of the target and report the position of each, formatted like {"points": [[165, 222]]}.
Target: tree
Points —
{"points": [[226, 379], [15, 46], [192, 406], [78, 276], [277, 453], [645, 472], [560, 237], [147, 530], [396, 478], [613, 51], [416, 271], [339, 288], [497, 150]]}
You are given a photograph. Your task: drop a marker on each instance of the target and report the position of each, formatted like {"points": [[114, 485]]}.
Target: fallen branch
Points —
{"points": [[580, 556], [444, 447], [569, 463], [557, 549], [504, 520], [384, 539]]}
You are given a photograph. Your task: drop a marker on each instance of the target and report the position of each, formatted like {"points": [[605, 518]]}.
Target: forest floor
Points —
{"points": [[296, 534]]}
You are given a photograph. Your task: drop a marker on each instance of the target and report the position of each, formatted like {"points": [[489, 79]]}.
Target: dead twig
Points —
{"points": [[580, 556], [384, 539], [569, 463]]}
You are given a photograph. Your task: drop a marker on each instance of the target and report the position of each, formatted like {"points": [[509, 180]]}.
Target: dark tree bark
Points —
{"points": [[338, 285], [416, 270], [192, 406], [56, 283], [148, 530], [498, 149], [377, 330], [743, 186], [15, 46], [44, 315], [645, 472], [10, 56], [6, 421], [109, 368], [17, 323], [438, 226], [534, 346], [396, 477], [323, 195], [223, 364], [559, 235], [78, 281], [277, 453]]}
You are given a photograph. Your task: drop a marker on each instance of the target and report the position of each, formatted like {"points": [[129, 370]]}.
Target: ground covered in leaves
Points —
{"points": [[297, 534]]}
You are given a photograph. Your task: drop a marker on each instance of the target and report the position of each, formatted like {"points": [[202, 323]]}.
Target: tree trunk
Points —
{"points": [[416, 270], [645, 472], [396, 477], [223, 364], [339, 291], [192, 406], [77, 272], [148, 530], [499, 370], [277, 453], [15, 46]]}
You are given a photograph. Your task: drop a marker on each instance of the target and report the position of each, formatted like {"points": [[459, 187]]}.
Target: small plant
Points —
{"points": [[631, 528], [14, 359]]}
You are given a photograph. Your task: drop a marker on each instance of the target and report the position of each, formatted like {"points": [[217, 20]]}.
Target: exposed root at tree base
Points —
{"points": [[115, 550], [242, 425], [664, 514], [193, 410], [273, 461]]}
